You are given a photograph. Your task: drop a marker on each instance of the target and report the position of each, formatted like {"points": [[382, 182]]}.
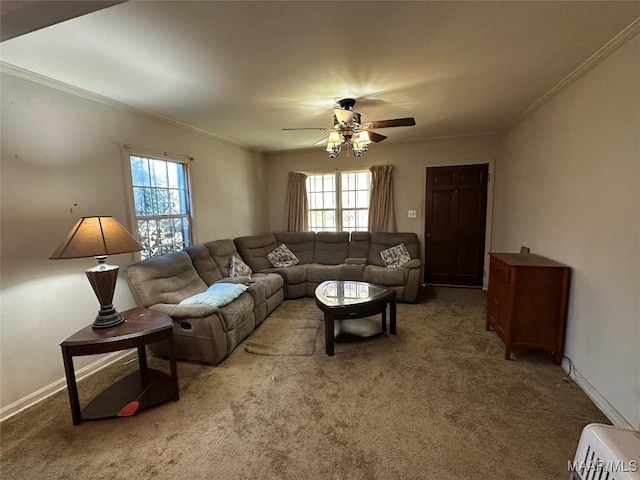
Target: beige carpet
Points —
{"points": [[437, 401], [291, 334]]}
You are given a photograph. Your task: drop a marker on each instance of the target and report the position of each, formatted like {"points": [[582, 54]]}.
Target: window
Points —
{"points": [[161, 203], [339, 201]]}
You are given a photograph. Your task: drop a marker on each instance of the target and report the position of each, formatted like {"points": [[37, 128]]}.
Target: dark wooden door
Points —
{"points": [[456, 212]]}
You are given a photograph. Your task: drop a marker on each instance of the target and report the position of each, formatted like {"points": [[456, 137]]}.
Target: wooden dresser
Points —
{"points": [[527, 302]]}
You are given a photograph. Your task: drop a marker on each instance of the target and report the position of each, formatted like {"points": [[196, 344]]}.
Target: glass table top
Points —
{"points": [[345, 292]]}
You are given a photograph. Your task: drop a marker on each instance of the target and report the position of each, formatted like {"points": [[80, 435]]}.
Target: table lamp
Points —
{"points": [[99, 237]]}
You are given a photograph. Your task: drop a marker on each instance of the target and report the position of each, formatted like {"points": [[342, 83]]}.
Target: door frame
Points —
{"points": [[491, 161]]}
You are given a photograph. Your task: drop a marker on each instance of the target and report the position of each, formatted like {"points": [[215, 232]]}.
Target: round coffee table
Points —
{"points": [[345, 303]]}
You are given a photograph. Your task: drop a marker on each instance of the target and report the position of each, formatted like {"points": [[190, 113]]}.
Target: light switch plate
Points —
{"points": [[412, 214]]}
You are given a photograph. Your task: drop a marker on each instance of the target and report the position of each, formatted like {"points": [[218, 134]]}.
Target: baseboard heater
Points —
{"points": [[606, 452]]}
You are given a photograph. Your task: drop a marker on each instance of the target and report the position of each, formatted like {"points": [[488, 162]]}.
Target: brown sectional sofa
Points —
{"points": [[207, 334], [336, 256]]}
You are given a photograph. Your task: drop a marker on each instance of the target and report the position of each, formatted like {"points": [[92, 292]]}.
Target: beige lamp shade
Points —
{"points": [[95, 237], [99, 237]]}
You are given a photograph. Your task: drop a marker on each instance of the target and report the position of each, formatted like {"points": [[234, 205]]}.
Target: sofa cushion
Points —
{"points": [[388, 277], [221, 251], [318, 273], [167, 278], [254, 249], [359, 244], [281, 256], [204, 263], [332, 248], [238, 268], [302, 244], [293, 275], [396, 256], [217, 295], [272, 282]]}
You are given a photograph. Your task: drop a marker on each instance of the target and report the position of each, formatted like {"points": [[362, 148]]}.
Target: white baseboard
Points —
{"points": [[38, 396], [602, 403]]}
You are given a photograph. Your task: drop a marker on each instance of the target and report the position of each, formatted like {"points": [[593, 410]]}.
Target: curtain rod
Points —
{"points": [[152, 152]]}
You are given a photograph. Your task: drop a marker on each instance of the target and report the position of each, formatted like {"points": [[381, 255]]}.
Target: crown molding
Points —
{"points": [[25, 74], [611, 46]]}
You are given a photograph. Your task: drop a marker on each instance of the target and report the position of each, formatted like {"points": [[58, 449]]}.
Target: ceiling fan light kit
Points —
{"points": [[349, 130], [357, 141]]}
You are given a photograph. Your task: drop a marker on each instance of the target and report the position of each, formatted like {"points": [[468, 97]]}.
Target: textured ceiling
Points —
{"points": [[244, 70]]}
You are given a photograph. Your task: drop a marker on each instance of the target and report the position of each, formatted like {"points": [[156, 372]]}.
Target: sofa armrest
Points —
{"points": [[415, 263], [185, 311]]}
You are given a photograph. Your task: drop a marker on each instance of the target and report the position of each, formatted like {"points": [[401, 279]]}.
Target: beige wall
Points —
{"points": [[59, 149], [410, 161], [568, 186]]}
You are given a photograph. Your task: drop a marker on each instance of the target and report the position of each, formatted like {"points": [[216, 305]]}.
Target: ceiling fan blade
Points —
{"points": [[322, 140], [307, 128], [396, 122], [375, 137]]}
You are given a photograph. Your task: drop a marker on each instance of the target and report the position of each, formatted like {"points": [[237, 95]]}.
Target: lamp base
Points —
{"points": [[108, 319], [103, 279]]}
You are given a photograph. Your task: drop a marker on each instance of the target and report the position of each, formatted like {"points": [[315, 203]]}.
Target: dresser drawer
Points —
{"points": [[500, 269]]}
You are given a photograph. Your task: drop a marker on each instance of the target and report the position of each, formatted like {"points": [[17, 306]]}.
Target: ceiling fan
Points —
{"points": [[349, 130]]}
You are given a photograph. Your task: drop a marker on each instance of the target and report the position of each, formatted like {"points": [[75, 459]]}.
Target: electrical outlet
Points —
{"points": [[412, 214]]}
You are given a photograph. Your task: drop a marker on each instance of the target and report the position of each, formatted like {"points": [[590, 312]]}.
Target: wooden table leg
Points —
{"points": [[384, 318], [144, 368], [72, 387], [392, 315], [328, 334], [174, 368]]}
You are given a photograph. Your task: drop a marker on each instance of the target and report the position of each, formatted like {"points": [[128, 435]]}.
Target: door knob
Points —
{"points": [[428, 234]]}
